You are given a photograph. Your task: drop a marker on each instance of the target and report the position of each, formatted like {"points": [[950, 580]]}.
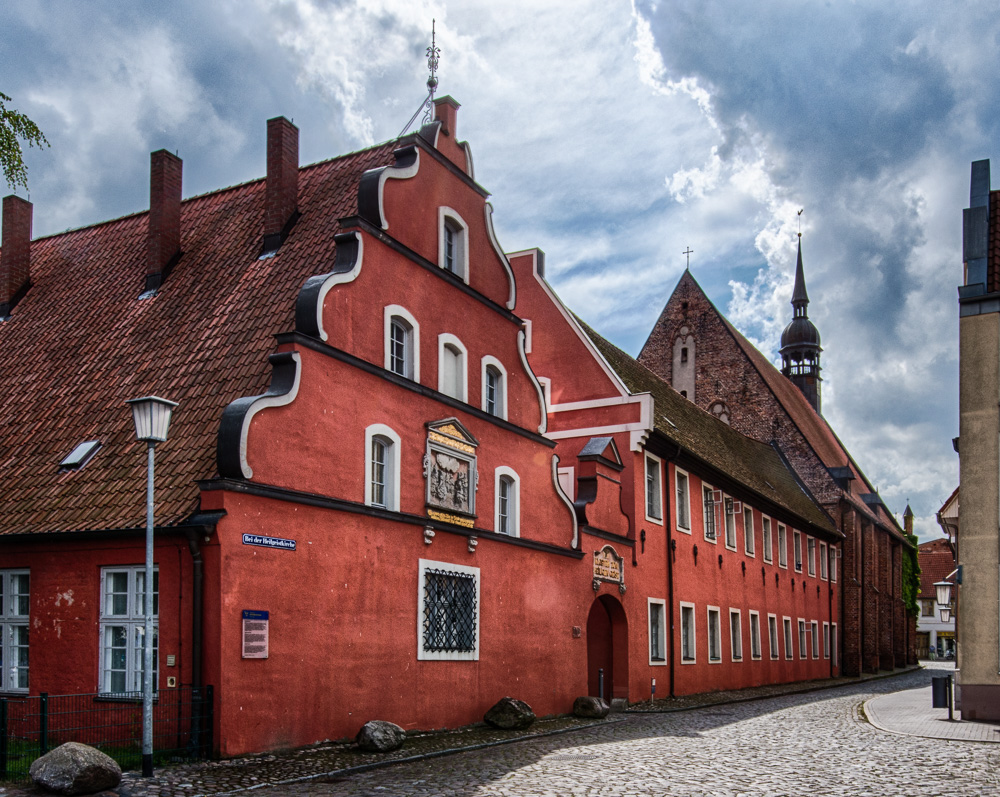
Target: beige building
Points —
{"points": [[979, 453]]}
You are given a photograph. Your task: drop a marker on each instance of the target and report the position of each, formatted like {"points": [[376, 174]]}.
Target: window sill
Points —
{"points": [[131, 697]]}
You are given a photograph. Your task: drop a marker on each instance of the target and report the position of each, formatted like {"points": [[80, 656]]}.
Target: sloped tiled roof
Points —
{"points": [[755, 465], [81, 342], [936, 562]]}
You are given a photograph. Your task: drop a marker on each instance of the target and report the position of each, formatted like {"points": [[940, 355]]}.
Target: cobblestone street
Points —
{"points": [[809, 744]]}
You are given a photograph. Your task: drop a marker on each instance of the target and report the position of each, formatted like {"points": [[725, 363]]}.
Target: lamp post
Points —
{"points": [[943, 590], [152, 419]]}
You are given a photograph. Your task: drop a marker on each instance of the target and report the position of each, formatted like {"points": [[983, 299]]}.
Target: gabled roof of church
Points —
{"points": [[81, 342], [757, 466]]}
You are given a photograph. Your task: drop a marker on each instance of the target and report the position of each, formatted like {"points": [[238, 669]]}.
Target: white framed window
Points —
{"points": [[765, 526], [688, 639], [453, 377], [754, 635], [824, 562], [657, 631], [786, 624], [494, 387], [782, 547], [507, 489], [748, 541], [729, 511], [803, 644], [15, 608], [772, 635], [654, 489], [382, 453], [736, 634], [814, 632], [833, 563], [683, 501], [708, 513], [402, 342], [811, 555], [797, 550], [714, 636], [448, 615], [123, 629], [833, 644], [453, 243], [826, 640]]}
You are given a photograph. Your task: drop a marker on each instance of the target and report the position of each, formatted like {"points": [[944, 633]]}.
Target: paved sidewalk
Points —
{"points": [[909, 713]]}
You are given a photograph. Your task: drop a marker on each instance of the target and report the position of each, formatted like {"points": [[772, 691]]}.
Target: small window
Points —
{"points": [[657, 632], [714, 635], [123, 629], [382, 451], [754, 635], [811, 555], [772, 635], [80, 455], [833, 644], [826, 640], [15, 608], [687, 634], [833, 563], [765, 525], [683, 502], [453, 254], [803, 644], [782, 547], [787, 627], [736, 634], [494, 387], [507, 500], [684, 354], [708, 513], [452, 376], [927, 608], [797, 550], [824, 562], [730, 514], [654, 511], [814, 631], [448, 626], [748, 540], [402, 343]]}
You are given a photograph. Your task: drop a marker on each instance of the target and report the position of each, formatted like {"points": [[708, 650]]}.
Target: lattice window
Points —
{"points": [[450, 611]]}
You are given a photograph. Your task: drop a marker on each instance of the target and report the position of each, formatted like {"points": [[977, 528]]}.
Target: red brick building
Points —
{"points": [[694, 347]]}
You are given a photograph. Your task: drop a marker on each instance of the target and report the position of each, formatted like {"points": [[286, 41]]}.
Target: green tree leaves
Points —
{"points": [[14, 126]]}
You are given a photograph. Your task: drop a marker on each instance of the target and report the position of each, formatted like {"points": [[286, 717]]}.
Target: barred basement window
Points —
{"points": [[449, 616]]}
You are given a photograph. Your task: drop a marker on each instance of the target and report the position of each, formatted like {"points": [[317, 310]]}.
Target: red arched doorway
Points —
{"points": [[607, 648]]}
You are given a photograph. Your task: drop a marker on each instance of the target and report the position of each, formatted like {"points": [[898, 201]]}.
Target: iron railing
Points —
{"points": [[30, 726]]}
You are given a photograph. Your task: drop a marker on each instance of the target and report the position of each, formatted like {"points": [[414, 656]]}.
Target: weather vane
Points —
{"points": [[799, 214], [433, 57]]}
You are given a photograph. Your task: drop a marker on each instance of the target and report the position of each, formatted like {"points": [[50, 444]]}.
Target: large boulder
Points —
{"points": [[379, 736], [510, 714], [595, 707], [75, 768]]}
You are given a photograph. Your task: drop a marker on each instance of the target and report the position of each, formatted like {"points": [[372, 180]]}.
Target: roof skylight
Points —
{"points": [[80, 455]]}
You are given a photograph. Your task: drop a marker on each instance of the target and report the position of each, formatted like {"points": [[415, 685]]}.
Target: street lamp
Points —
{"points": [[152, 419], [943, 589]]}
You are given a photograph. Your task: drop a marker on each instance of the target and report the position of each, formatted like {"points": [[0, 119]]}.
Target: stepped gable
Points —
{"points": [[81, 342], [757, 466]]}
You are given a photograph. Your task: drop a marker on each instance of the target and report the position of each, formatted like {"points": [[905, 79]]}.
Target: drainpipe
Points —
{"points": [[198, 577]]}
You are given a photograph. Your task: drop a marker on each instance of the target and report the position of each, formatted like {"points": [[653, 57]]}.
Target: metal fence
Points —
{"points": [[31, 726]]}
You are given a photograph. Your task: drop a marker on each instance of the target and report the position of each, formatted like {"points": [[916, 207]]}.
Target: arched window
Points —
{"points": [[453, 245], [402, 343], [494, 387], [508, 511], [452, 377], [382, 450]]}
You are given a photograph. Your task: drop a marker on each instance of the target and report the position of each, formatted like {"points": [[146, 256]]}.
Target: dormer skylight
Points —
{"points": [[80, 455]]}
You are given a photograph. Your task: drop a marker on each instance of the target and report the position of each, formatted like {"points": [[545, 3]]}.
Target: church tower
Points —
{"points": [[800, 343]]}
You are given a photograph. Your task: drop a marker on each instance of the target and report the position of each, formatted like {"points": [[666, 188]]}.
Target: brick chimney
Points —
{"points": [[163, 246], [15, 260], [446, 112], [282, 194]]}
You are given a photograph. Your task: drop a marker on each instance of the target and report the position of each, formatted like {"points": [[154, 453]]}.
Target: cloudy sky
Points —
{"points": [[613, 135]]}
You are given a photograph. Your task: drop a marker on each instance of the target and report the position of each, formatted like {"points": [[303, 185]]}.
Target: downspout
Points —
{"points": [[198, 578]]}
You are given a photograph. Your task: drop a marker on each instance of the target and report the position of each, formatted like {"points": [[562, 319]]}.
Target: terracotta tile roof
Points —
{"points": [[81, 342], [755, 465], [936, 562]]}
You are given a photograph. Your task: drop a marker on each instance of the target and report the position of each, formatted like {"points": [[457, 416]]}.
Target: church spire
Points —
{"points": [[800, 347]]}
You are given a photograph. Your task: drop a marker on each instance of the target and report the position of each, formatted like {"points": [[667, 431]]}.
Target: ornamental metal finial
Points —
{"points": [[433, 58]]}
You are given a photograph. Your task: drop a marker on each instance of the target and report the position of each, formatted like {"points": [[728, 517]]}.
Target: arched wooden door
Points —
{"points": [[607, 648]]}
